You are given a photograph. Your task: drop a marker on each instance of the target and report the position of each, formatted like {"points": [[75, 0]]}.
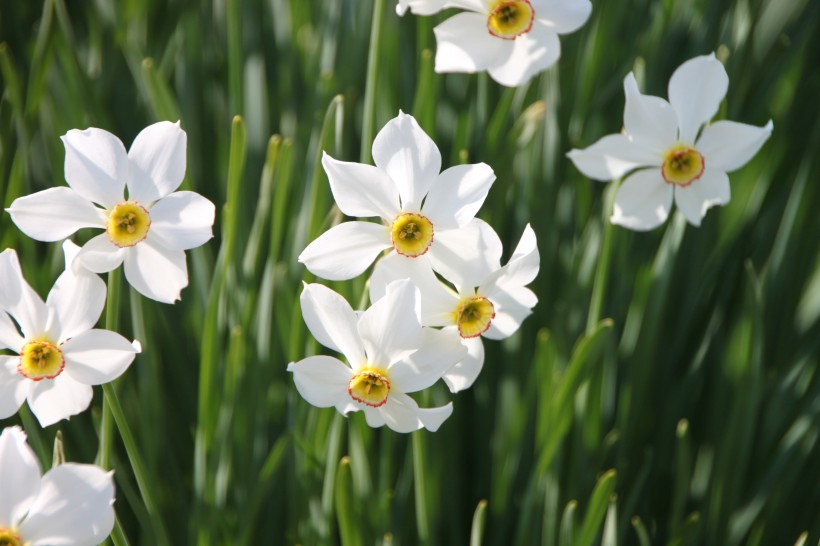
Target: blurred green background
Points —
{"points": [[665, 390]]}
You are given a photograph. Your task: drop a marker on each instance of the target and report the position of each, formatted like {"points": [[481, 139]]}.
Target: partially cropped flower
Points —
{"points": [[60, 354], [149, 231], [513, 40], [427, 216], [676, 159], [71, 505], [388, 355], [494, 308]]}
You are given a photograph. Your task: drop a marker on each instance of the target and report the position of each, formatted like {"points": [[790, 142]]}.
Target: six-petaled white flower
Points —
{"points": [[513, 40], [677, 160], [71, 505], [427, 215], [388, 352], [149, 231], [494, 309], [60, 354]]}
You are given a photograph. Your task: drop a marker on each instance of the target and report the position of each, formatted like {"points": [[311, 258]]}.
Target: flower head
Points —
{"points": [[493, 308], [148, 231], [677, 160], [513, 40], [427, 216], [59, 354], [71, 505], [388, 355]]}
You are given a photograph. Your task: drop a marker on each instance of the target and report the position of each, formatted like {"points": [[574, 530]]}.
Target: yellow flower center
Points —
{"points": [[412, 234], [128, 224], [8, 538], [473, 316], [509, 19], [39, 360], [370, 387], [682, 165]]}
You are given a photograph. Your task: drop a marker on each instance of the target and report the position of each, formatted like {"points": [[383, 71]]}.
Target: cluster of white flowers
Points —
{"points": [[441, 270], [58, 354]]}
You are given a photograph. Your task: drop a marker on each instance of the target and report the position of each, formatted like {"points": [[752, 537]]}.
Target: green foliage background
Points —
{"points": [[665, 390]]}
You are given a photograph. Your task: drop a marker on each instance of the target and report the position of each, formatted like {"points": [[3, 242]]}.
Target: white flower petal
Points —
{"points": [[650, 122], [440, 351], [709, 190], [54, 214], [612, 157], [346, 250], [19, 476], [13, 390], [433, 418], [463, 44], [562, 16], [373, 416], [156, 272], [182, 221], [401, 413], [531, 53], [521, 270], [321, 380], [695, 91], [466, 256], [362, 190], [157, 162], [52, 400], [19, 299], [464, 373], [727, 145], [74, 507], [457, 194], [643, 201], [10, 338], [510, 312], [332, 321], [95, 357], [437, 301], [96, 165], [100, 255], [78, 299], [410, 158], [391, 328], [429, 7]]}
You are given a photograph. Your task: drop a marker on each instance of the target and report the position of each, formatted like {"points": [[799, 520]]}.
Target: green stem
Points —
{"points": [[422, 519], [113, 411], [137, 465], [602, 270], [112, 305], [370, 86]]}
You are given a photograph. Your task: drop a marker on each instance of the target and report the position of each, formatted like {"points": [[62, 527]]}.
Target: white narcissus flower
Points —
{"points": [[494, 308], [60, 354], [677, 160], [427, 215], [71, 505], [513, 40], [149, 231], [389, 355]]}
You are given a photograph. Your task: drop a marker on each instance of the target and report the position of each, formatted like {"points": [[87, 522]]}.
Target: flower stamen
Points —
{"points": [[369, 387], [473, 316], [8, 538], [509, 19], [411, 234], [682, 166], [128, 224], [40, 360]]}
